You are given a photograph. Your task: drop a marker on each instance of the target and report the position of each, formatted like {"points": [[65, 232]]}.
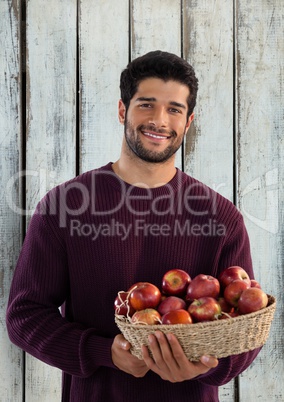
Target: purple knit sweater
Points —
{"points": [[96, 235]]}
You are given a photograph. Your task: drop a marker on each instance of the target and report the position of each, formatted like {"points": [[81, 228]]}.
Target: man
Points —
{"points": [[109, 228]]}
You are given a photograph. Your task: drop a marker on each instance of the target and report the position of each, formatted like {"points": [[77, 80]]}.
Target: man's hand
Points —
{"points": [[169, 360], [124, 360]]}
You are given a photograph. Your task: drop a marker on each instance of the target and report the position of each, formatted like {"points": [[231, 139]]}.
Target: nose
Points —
{"points": [[159, 117]]}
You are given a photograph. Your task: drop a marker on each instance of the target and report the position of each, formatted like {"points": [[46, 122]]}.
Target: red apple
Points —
{"points": [[252, 299], [232, 273], [144, 295], [255, 284], [175, 282], [225, 306], [176, 317], [122, 306], [205, 309], [149, 316], [203, 286], [171, 303], [234, 290]]}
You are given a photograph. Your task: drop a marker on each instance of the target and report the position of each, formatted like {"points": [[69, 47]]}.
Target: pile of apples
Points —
{"points": [[183, 300]]}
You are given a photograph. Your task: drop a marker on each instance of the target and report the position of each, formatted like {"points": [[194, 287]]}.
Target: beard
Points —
{"points": [[136, 145]]}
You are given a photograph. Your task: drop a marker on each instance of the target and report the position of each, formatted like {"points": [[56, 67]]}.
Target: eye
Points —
{"points": [[145, 105], [174, 110]]}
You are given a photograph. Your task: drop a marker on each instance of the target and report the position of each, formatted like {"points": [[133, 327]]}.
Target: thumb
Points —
{"points": [[209, 361], [123, 343]]}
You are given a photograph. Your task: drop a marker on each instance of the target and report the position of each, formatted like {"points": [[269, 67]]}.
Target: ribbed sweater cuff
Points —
{"points": [[98, 350]]}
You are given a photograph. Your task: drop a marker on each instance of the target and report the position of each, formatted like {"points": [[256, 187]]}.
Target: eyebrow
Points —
{"points": [[152, 99]]}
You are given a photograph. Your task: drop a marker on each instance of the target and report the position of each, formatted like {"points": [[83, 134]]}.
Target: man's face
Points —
{"points": [[156, 120]]}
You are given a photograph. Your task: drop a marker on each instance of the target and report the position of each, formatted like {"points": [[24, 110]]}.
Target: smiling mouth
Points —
{"points": [[155, 135]]}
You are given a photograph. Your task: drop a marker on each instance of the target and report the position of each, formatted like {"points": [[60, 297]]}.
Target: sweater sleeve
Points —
{"points": [[34, 322], [235, 251]]}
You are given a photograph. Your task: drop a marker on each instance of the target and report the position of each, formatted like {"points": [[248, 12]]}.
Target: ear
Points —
{"points": [[189, 121], [121, 111]]}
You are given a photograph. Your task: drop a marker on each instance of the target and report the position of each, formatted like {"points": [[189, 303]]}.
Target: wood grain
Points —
{"points": [[155, 25], [260, 35], [51, 131], [11, 361], [209, 144], [103, 49]]}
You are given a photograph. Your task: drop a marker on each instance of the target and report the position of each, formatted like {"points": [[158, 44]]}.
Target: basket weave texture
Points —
{"points": [[219, 338]]}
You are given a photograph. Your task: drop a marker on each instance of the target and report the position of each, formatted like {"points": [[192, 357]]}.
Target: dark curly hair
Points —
{"points": [[158, 64]]}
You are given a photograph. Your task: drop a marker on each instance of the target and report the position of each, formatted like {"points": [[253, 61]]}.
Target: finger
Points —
{"points": [[152, 354], [155, 360], [185, 366], [177, 350], [154, 346], [160, 347], [162, 352], [208, 361], [148, 359], [146, 355]]}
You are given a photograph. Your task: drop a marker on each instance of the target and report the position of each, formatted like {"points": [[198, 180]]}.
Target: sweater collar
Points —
{"points": [[173, 186]]}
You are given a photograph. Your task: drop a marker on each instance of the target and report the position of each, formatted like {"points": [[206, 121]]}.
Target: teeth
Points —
{"points": [[154, 136]]}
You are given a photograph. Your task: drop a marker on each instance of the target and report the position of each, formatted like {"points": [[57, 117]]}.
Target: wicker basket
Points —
{"points": [[219, 338]]}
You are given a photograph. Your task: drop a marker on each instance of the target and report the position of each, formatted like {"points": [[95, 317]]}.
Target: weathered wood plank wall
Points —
{"points": [[62, 120], [209, 144], [11, 361], [51, 38], [100, 64], [260, 163]]}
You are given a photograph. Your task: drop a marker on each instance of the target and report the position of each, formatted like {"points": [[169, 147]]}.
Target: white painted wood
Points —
{"points": [[103, 44], [51, 96], [208, 46], [208, 151], [156, 25], [51, 130], [260, 173], [11, 381]]}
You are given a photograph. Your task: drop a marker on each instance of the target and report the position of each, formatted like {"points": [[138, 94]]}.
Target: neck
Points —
{"points": [[137, 172]]}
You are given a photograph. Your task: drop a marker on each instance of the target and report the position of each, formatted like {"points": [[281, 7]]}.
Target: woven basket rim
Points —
{"points": [[206, 324]]}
